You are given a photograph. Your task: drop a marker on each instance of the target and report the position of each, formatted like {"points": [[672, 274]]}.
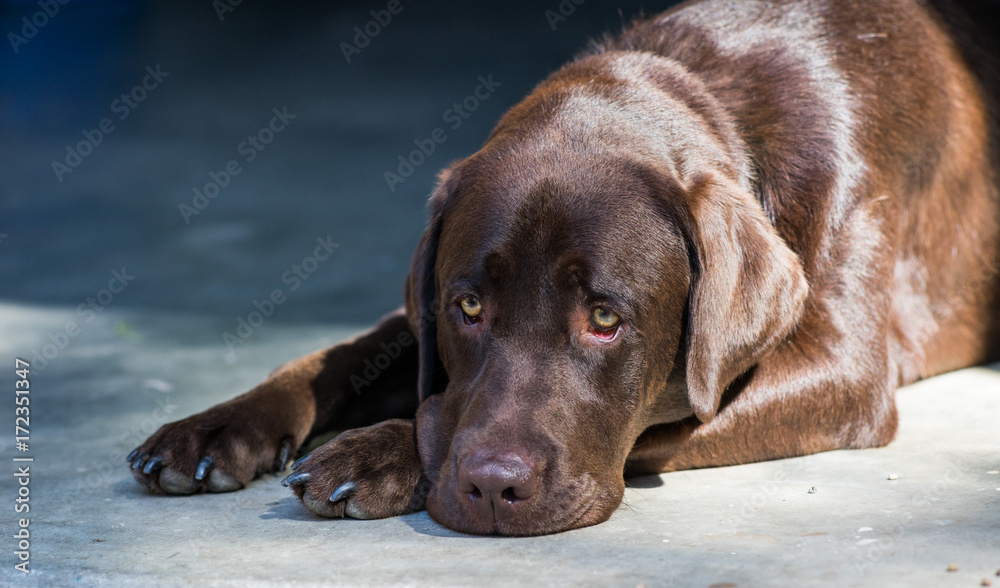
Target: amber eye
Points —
{"points": [[471, 307], [604, 319]]}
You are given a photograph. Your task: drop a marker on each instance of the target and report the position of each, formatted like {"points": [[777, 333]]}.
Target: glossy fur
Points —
{"points": [[792, 206]]}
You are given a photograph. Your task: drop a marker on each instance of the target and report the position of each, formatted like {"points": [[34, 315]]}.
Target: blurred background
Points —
{"points": [[184, 88]]}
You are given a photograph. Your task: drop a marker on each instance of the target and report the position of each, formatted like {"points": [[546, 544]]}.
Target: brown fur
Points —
{"points": [[792, 206]]}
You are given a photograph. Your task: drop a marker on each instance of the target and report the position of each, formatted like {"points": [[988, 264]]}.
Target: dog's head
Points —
{"points": [[584, 276]]}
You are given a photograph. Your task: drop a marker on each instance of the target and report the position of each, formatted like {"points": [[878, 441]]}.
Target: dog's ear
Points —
{"points": [[421, 291], [747, 289]]}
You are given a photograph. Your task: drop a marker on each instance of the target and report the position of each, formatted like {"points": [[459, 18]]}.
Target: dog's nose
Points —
{"points": [[496, 484]]}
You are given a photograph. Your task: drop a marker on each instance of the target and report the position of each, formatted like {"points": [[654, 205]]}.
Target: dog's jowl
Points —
{"points": [[726, 235]]}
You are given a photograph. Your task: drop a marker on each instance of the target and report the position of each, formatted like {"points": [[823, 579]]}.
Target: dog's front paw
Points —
{"points": [[368, 473], [219, 450]]}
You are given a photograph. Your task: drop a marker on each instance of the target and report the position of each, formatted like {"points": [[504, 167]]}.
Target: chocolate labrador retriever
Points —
{"points": [[726, 235]]}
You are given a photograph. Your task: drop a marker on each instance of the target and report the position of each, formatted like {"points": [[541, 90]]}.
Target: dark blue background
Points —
{"points": [[323, 175]]}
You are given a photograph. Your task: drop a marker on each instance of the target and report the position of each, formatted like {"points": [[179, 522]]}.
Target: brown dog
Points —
{"points": [[726, 235]]}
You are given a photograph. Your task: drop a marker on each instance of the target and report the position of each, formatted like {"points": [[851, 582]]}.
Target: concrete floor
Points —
{"points": [[752, 525]]}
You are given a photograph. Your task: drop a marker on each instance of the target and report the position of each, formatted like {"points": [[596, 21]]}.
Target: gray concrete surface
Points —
{"points": [[752, 525]]}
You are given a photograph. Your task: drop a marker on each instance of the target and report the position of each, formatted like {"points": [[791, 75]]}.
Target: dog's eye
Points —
{"points": [[471, 307], [604, 319]]}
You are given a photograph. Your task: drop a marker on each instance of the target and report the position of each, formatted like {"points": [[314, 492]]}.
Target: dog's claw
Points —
{"points": [[297, 478], [153, 465], [132, 455], [283, 458], [204, 466], [345, 490], [140, 461], [299, 462]]}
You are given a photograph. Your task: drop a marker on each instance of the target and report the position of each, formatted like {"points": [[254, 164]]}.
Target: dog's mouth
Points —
{"points": [[580, 502], [505, 476]]}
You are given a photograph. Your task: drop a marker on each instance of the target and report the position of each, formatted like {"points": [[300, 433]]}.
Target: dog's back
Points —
{"points": [[873, 125]]}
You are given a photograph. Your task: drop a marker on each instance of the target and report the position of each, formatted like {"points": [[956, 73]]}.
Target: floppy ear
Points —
{"points": [[747, 290], [421, 292]]}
